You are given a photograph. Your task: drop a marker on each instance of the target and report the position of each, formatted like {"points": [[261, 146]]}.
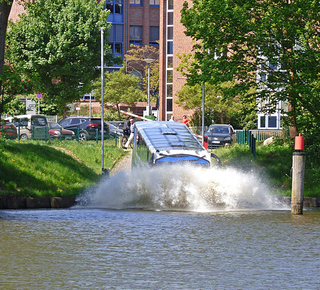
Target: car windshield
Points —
{"points": [[53, 125], [38, 121], [219, 129]]}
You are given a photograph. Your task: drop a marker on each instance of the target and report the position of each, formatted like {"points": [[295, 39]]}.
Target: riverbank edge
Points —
{"points": [[14, 201]]}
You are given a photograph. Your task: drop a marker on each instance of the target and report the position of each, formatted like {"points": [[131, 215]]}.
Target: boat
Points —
{"points": [[165, 142]]}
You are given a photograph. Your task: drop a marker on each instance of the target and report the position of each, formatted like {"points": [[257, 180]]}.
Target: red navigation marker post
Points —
{"points": [[298, 168]]}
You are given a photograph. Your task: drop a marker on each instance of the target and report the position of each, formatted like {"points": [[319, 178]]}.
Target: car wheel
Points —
{"points": [[23, 137], [83, 136]]}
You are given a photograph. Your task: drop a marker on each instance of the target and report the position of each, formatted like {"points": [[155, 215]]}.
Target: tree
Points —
{"points": [[12, 83], [217, 108], [119, 88], [57, 44], [277, 40], [136, 65]]}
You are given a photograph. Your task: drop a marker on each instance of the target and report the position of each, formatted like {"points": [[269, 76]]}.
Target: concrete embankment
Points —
{"points": [[307, 201], [14, 201]]}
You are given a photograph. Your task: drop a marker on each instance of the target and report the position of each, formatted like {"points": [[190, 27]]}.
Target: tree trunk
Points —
{"points": [[293, 121], [64, 112], [118, 109], [5, 8]]}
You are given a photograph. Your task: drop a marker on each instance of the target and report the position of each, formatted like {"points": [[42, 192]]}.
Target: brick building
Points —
{"points": [[173, 42]]}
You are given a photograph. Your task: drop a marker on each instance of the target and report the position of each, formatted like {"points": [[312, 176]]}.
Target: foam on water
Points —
{"points": [[181, 187]]}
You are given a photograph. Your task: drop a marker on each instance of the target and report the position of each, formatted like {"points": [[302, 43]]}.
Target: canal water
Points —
{"points": [[179, 228]]}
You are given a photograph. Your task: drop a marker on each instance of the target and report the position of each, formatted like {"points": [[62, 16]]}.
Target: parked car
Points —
{"points": [[116, 128], [85, 127], [8, 130], [219, 135], [24, 133], [31, 126], [57, 131]]}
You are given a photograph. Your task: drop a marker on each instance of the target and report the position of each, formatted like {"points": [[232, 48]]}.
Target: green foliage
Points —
{"points": [[15, 107], [38, 168], [57, 43], [240, 112], [279, 38], [119, 88], [136, 65], [12, 83]]}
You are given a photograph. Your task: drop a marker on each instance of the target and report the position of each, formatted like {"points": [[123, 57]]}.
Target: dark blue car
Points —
{"points": [[85, 128]]}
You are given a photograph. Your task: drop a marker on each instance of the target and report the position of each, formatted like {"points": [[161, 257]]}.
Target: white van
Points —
{"points": [[31, 126]]}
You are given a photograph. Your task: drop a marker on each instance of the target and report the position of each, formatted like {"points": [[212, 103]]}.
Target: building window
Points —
{"points": [[169, 105], [136, 2], [118, 48], [116, 33], [136, 35], [262, 121], [116, 38], [170, 47], [170, 4], [272, 122], [109, 7], [169, 76], [170, 18], [114, 6], [118, 9], [154, 2], [170, 62], [170, 32], [154, 36], [169, 91]]}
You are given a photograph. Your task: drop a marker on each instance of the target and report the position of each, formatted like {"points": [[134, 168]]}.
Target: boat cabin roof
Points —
{"points": [[166, 135]]}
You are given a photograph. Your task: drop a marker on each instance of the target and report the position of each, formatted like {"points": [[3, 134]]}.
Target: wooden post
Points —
{"points": [[297, 193]]}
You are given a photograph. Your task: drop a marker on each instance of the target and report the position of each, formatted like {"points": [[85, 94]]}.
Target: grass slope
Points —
{"points": [[36, 168]]}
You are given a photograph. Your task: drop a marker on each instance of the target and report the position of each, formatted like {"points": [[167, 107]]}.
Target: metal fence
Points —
{"points": [[42, 133], [246, 136], [251, 137]]}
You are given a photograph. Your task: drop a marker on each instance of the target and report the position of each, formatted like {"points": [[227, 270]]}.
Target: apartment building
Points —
{"points": [[133, 22]]}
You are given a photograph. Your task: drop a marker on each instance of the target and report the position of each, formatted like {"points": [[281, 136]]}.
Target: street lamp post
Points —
{"points": [[148, 61], [202, 123], [102, 105]]}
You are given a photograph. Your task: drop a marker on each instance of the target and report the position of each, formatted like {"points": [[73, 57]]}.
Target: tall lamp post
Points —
{"points": [[203, 100], [148, 61], [102, 105]]}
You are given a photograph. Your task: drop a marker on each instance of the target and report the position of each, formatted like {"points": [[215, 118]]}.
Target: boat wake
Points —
{"points": [[181, 187]]}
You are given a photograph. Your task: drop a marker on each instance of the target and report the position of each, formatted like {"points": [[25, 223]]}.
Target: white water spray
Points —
{"points": [[181, 187]]}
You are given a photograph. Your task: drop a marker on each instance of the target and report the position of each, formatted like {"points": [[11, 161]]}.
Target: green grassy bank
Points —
{"points": [[273, 163], [54, 168]]}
